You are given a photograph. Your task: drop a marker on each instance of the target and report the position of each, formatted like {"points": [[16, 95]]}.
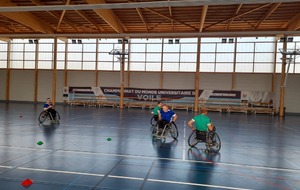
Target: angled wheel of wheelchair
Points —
{"points": [[153, 122], [157, 134], [154, 130], [214, 143], [173, 130], [57, 116], [43, 116], [192, 140]]}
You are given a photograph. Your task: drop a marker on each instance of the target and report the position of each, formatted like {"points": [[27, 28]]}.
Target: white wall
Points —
{"points": [[81, 78], [292, 94], [144, 80], [254, 82], [109, 79], [22, 85], [44, 85], [277, 91], [2, 84], [215, 81], [59, 86], [179, 81]]}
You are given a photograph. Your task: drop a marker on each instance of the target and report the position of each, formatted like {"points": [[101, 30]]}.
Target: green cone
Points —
{"points": [[40, 143]]}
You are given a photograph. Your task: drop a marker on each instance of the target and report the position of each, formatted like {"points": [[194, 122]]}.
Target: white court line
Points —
{"points": [[9, 167], [25, 148], [60, 171], [180, 160], [196, 184], [184, 141], [131, 178], [175, 159], [125, 177]]}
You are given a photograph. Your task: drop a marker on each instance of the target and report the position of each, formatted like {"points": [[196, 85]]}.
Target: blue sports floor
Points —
{"points": [[258, 152]]}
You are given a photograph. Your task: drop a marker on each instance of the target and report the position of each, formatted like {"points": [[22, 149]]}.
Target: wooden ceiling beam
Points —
{"points": [[147, 4], [87, 18], [27, 19], [142, 18], [167, 17], [203, 16], [239, 15], [62, 16], [8, 26], [158, 24], [4, 39], [171, 15], [139, 11], [57, 16], [249, 23], [268, 13], [108, 16], [237, 9], [294, 23]]}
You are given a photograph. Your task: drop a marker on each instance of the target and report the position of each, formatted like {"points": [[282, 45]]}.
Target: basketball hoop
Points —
{"points": [[289, 51], [118, 53], [292, 53]]}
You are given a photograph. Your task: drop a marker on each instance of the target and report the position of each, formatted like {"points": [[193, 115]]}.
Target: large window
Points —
{"points": [[3, 55], [107, 61], [255, 55], [295, 64], [17, 54], [153, 55], [45, 54], [220, 55]]}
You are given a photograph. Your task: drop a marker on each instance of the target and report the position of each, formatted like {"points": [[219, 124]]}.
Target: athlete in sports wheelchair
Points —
{"points": [[205, 132], [49, 113], [165, 126], [155, 113]]}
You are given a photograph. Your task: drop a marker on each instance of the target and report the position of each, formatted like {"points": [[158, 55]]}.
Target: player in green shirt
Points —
{"points": [[202, 122], [156, 110]]}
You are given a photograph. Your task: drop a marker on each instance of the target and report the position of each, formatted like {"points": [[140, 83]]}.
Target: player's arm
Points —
{"points": [[190, 124], [210, 126], [159, 115], [153, 111], [46, 107], [174, 117]]}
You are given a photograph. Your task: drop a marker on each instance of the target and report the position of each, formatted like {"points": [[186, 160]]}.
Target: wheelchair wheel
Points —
{"points": [[154, 130], [215, 142], [192, 140], [153, 122], [57, 118], [43, 116], [173, 130]]}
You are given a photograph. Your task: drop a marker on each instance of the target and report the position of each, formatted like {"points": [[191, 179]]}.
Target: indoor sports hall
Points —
{"points": [[81, 81]]}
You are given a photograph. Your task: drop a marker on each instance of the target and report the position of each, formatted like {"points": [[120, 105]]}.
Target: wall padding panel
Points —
{"points": [[215, 81], [2, 84], [22, 85], [254, 82], [179, 81], [81, 78], [44, 85], [144, 80], [59, 86], [292, 94], [109, 79]]}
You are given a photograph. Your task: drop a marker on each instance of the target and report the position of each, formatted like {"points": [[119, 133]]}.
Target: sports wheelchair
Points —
{"points": [[45, 115], [153, 120], [210, 138], [169, 130]]}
